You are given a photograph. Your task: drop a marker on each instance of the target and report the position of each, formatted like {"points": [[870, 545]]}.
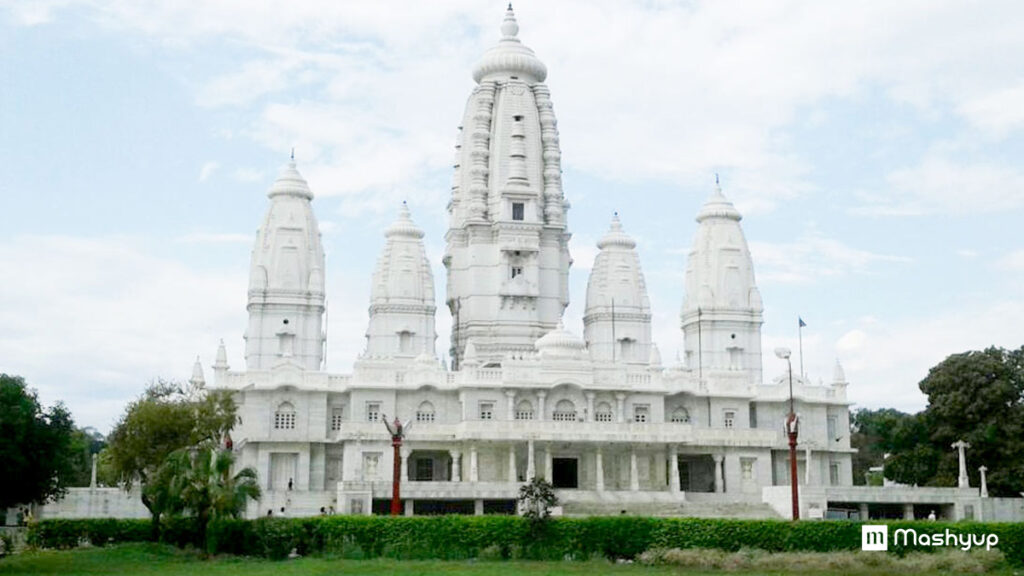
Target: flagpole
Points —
{"points": [[800, 331]]}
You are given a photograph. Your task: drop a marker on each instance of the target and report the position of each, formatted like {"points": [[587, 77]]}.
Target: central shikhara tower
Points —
{"points": [[601, 417], [508, 244]]}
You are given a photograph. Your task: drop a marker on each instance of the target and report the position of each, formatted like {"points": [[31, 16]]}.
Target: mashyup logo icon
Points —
{"points": [[874, 538]]}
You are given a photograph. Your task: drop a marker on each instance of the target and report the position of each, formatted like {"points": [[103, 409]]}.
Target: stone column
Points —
{"points": [[807, 465], [634, 474], [590, 406], [404, 455], [512, 475], [982, 469], [478, 507], [92, 478], [673, 469], [599, 465], [531, 468], [863, 508], [548, 465], [719, 473], [462, 406], [456, 465], [409, 504], [908, 511], [510, 414], [541, 395], [474, 470], [620, 402], [960, 445]]}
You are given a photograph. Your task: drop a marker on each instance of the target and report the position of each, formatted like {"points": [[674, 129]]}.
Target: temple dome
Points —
{"points": [[510, 57], [560, 343], [290, 183]]}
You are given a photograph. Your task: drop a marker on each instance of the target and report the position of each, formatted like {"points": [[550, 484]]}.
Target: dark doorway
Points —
{"points": [[684, 474], [565, 472]]}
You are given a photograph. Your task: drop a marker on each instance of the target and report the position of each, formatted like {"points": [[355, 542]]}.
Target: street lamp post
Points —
{"points": [[792, 429]]}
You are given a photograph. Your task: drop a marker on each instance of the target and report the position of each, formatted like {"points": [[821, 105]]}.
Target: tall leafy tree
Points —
{"points": [[978, 397], [166, 418], [874, 434], [36, 451]]}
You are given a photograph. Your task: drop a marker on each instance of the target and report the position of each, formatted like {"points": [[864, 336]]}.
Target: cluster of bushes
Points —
{"points": [[460, 537]]}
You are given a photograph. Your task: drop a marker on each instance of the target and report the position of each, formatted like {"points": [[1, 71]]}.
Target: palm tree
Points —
{"points": [[201, 484]]}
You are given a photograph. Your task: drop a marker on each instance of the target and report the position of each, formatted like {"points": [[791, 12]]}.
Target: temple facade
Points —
{"points": [[600, 415]]}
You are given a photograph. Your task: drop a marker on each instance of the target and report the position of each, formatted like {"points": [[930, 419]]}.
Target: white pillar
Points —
{"points": [[403, 454], [510, 414], [92, 479], [531, 468], [908, 511], [960, 445], [719, 474], [807, 465], [548, 465], [409, 504], [982, 469], [620, 401], [599, 465], [590, 406], [541, 395], [634, 474], [512, 476], [456, 465], [474, 470], [673, 469]]}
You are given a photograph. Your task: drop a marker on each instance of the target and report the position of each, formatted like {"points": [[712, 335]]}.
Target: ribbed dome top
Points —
{"points": [[510, 56], [717, 206], [403, 225], [560, 342], [615, 236], [290, 183]]}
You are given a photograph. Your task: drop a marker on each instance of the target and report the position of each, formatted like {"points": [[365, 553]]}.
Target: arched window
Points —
{"points": [[565, 411], [603, 413], [680, 415], [524, 410], [284, 417], [425, 412]]}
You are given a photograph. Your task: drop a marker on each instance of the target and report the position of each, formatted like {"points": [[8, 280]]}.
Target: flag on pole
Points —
{"points": [[802, 323]]}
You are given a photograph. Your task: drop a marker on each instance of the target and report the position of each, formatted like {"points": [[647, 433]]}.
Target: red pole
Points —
{"points": [[791, 427], [396, 477]]}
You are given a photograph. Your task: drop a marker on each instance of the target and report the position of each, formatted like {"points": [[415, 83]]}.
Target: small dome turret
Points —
{"points": [[510, 57], [560, 343]]}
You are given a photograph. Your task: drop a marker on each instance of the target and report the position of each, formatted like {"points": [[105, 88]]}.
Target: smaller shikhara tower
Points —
{"points": [[722, 309], [286, 281], [507, 244]]}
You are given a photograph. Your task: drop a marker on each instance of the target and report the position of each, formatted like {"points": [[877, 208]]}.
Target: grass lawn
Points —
{"points": [[166, 561]]}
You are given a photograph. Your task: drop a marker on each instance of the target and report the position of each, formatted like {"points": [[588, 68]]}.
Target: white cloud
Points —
{"points": [[1012, 260], [997, 112], [811, 257], [942, 185], [214, 238], [207, 170], [702, 87], [90, 321]]}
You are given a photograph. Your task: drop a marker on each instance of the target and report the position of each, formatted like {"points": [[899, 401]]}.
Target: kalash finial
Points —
{"points": [[509, 27], [293, 153]]}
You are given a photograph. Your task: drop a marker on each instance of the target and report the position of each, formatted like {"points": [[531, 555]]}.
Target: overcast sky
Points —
{"points": [[874, 149]]}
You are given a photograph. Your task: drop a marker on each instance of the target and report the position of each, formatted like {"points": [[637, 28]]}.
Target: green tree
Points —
{"points": [[199, 482], [35, 446], [975, 396], [873, 434], [164, 419]]}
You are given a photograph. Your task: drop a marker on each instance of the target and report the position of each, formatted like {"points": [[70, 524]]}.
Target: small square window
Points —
{"points": [[373, 411], [487, 410], [641, 413], [337, 417], [730, 418], [516, 271], [518, 210]]}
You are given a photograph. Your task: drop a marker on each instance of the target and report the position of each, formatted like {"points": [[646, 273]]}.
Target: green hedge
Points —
{"points": [[459, 537]]}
